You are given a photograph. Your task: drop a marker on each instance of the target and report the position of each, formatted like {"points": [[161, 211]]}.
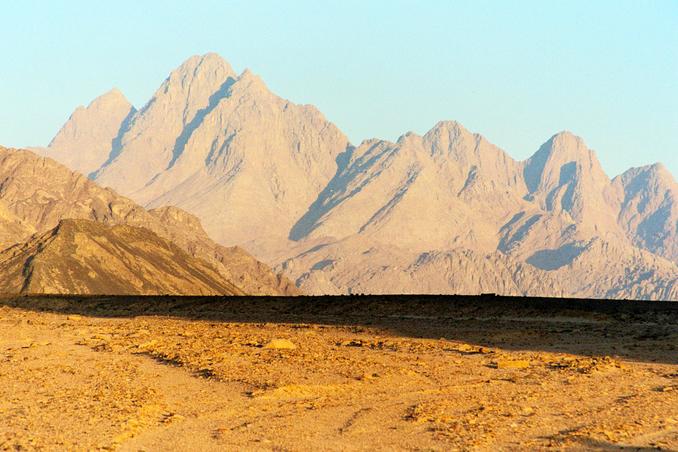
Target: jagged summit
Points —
{"points": [[108, 100], [214, 142], [449, 126], [656, 171], [198, 66], [559, 159], [154, 136], [649, 209]]}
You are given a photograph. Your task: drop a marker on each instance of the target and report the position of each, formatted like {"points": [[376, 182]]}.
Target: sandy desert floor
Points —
{"points": [[267, 374]]}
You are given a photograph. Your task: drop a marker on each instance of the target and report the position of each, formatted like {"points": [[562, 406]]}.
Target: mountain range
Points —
{"points": [[444, 212]]}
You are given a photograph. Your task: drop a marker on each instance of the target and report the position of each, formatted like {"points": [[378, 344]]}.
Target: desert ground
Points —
{"points": [[342, 373]]}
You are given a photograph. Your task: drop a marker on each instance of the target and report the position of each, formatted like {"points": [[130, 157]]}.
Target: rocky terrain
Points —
{"points": [[442, 212], [86, 257], [359, 373], [36, 193]]}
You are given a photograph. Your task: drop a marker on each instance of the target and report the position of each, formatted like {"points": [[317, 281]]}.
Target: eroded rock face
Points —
{"points": [[37, 192], [88, 258]]}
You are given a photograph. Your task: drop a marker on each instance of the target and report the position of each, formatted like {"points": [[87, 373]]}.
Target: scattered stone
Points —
{"points": [[368, 376], [527, 411], [280, 344], [352, 343]]}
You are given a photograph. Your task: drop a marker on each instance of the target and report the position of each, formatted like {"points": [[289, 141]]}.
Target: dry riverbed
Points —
{"points": [[89, 375]]}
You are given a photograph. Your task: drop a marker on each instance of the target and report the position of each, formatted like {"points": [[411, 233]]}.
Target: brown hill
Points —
{"points": [[37, 192], [86, 257]]}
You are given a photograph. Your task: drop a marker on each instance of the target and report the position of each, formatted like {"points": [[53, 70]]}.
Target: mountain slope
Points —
{"points": [[358, 265], [36, 193], [149, 143], [86, 257]]}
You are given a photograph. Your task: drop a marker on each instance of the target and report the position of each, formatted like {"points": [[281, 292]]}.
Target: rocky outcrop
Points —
{"points": [[649, 209]]}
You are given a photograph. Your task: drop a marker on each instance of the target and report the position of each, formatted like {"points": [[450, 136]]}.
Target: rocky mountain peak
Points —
{"points": [[249, 84], [113, 95], [85, 141], [278, 178], [200, 67], [562, 158], [657, 174], [446, 134]]}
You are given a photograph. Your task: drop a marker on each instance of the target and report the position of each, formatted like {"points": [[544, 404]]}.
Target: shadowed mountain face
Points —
{"points": [[446, 212], [86, 257], [36, 193], [649, 210]]}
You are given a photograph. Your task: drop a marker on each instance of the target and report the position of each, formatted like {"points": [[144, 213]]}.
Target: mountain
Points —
{"points": [[443, 212], [223, 147], [86, 257], [151, 139], [450, 212], [447, 189], [84, 143], [36, 193], [649, 210]]}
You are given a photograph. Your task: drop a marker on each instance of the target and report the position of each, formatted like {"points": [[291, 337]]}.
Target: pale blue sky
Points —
{"points": [[515, 71]]}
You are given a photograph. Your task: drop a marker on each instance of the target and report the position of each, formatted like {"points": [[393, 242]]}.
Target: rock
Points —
{"points": [[351, 343], [280, 344], [527, 411], [84, 142], [511, 364]]}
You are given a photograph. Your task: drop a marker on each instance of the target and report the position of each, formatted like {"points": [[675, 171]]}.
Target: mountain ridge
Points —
{"points": [[84, 257]]}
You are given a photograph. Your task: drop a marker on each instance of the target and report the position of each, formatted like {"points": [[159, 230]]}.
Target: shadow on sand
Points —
{"points": [[635, 330]]}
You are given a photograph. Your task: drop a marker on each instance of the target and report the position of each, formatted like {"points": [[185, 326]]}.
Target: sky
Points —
{"points": [[515, 71]]}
